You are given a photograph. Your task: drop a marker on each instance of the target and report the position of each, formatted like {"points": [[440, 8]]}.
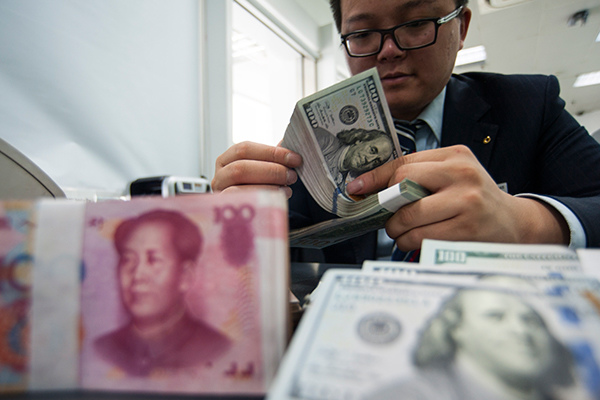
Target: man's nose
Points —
{"points": [[371, 157], [389, 47], [519, 326], [141, 269]]}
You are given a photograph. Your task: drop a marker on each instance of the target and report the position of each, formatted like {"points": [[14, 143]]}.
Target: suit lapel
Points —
{"points": [[464, 121]]}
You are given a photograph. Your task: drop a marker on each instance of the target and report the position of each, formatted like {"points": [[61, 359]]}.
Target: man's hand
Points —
{"points": [[465, 204], [253, 165]]}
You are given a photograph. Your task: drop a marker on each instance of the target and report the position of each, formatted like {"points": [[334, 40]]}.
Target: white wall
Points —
{"points": [[100, 92], [216, 91]]}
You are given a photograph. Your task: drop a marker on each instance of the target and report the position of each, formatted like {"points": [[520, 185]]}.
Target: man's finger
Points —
{"points": [[285, 189], [376, 179], [381, 177], [251, 172], [259, 152]]}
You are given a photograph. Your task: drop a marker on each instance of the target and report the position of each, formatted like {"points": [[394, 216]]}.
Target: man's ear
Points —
{"points": [[465, 20], [186, 278]]}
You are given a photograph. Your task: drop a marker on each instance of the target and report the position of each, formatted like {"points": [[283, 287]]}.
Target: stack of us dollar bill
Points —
{"points": [[342, 132], [179, 295], [379, 208], [470, 321]]}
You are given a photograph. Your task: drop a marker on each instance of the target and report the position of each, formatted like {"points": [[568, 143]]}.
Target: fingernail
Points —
{"points": [[291, 177], [293, 159], [287, 191], [355, 186]]}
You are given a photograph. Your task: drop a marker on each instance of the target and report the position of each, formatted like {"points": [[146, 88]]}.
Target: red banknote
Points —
{"points": [[182, 295]]}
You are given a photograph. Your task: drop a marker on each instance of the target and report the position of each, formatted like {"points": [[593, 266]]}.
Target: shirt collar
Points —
{"points": [[433, 114]]}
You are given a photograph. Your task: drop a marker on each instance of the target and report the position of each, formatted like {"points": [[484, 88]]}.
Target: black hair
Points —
{"points": [[185, 234], [336, 10]]}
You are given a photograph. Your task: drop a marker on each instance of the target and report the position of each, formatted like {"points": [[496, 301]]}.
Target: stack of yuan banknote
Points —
{"points": [[181, 295]]}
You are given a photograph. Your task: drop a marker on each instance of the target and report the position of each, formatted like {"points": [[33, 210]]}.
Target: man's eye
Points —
{"points": [[127, 263], [416, 24], [496, 316], [361, 36], [374, 150], [532, 320], [127, 259]]}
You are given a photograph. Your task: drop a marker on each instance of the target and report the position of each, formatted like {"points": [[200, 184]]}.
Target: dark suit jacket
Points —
{"points": [[536, 147]]}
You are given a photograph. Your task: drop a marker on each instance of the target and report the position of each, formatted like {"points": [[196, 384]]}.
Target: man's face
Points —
{"points": [[364, 156], [411, 79], [150, 274], [504, 336]]}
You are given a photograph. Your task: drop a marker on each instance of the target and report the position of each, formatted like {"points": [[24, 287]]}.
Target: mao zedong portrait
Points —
{"points": [[158, 252], [486, 345], [353, 152]]}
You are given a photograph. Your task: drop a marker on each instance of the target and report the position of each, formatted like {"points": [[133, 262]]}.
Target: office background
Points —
{"points": [[100, 92]]}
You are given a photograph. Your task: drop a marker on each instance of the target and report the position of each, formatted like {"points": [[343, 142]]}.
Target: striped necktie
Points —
{"points": [[406, 256], [407, 133]]}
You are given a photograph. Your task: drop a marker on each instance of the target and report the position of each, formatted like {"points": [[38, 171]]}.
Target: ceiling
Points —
{"points": [[528, 36]]}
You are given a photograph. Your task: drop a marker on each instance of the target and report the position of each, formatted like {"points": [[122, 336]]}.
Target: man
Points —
{"points": [[485, 344], [484, 131], [157, 255], [353, 152]]}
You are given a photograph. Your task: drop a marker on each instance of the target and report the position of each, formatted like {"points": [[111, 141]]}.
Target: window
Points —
{"points": [[268, 77]]}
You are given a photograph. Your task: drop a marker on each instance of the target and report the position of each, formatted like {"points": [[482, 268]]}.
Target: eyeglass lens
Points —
{"points": [[412, 35]]}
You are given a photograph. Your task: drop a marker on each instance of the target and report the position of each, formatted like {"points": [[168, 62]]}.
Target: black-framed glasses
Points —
{"points": [[410, 35]]}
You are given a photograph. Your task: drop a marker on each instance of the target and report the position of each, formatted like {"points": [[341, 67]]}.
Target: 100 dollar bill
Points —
{"points": [[327, 129], [378, 337], [500, 256]]}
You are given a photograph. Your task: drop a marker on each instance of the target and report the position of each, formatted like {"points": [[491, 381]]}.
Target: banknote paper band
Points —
{"points": [[391, 198], [55, 318]]}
